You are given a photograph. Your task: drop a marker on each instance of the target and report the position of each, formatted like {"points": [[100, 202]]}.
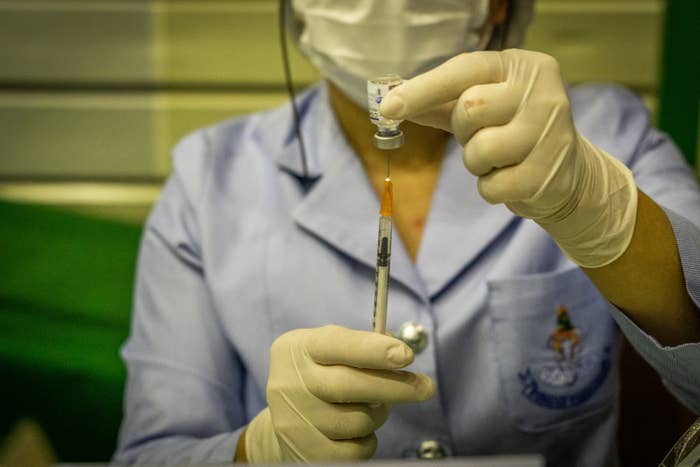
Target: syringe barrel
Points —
{"points": [[381, 293], [385, 226]]}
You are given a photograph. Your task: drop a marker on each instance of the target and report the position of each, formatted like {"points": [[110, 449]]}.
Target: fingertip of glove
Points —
{"points": [[400, 354], [393, 106], [427, 387]]}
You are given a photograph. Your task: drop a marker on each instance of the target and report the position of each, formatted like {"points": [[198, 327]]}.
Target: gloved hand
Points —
{"points": [[511, 113], [328, 390]]}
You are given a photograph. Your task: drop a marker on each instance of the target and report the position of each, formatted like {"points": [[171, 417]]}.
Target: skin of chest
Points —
{"points": [[413, 193]]}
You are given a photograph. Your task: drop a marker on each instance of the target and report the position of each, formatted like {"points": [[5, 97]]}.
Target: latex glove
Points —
{"points": [[328, 390], [511, 113]]}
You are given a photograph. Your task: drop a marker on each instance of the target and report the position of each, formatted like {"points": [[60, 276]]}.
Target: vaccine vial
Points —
{"points": [[388, 135]]}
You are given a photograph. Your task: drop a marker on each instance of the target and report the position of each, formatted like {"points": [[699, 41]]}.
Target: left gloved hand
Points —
{"points": [[511, 113]]}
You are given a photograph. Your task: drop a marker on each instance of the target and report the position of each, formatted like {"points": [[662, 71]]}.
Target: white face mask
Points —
{"points": [[350, 41]]}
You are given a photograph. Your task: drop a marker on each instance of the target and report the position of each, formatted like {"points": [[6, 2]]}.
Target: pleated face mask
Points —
{"points": [[350, 41]]}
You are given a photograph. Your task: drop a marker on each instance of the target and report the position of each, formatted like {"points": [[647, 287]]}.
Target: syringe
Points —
{"points": [[381, 294], [388, 137]]}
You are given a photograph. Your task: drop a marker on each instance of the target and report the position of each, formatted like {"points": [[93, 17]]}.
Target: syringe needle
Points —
{"points": [[383, 259]]}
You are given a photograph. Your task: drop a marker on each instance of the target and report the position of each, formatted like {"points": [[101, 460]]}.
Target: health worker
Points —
{"points": [[535, 223]]}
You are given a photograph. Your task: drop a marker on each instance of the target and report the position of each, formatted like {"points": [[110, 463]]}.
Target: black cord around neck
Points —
{"points": [[290, 89]]}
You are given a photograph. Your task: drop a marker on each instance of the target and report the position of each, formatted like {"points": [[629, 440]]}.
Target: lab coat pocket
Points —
{"points": [[554, 342]]}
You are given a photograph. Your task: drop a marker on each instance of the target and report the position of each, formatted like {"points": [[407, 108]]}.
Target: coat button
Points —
{"points": [[430, 449], [414, 335]]}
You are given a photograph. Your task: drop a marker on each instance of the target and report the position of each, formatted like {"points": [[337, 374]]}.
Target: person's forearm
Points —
{"points": [[647, 281], [240, 456]]}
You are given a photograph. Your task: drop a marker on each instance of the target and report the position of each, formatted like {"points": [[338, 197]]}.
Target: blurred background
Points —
{"points": [[94, 94]]}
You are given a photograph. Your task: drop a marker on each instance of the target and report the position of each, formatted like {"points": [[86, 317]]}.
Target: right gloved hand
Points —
{"points": [[328, 390]]}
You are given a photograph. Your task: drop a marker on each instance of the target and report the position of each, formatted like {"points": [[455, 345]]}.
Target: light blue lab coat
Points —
{"points": [[237, 252]]}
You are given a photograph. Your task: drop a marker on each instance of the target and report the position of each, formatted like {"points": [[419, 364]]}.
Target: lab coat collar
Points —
{"points": [[311, 105], [341, 208]]}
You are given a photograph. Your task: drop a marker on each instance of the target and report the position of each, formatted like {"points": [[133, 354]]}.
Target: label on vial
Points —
{"points": [[376, 90]]}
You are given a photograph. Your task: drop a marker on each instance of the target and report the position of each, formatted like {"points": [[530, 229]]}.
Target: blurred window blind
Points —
{"points": [[93, 95]]}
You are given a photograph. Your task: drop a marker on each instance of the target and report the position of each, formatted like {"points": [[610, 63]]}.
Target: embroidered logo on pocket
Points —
{"points": [[571, 373]]}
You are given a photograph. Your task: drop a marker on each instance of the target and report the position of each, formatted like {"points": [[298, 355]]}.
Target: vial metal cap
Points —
{"points": [[388, 141]]}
